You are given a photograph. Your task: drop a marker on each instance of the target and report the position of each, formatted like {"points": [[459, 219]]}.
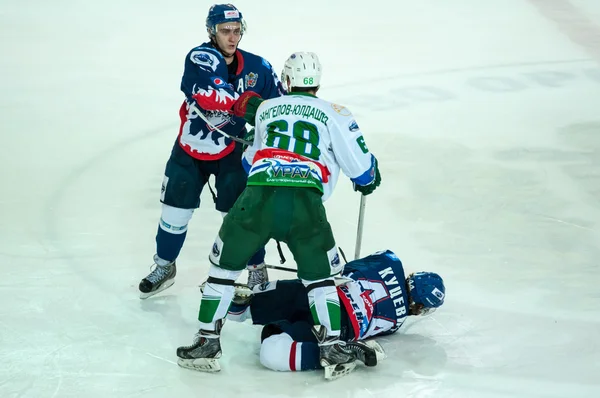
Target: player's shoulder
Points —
{"points": [[255, 60], [205, 55], [337, 115], [379, 261], [337, 110]]}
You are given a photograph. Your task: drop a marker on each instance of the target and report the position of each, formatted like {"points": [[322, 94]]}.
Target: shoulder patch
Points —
{"points": [[218, 82], [205, 59], [353, 126], [341, 109]]}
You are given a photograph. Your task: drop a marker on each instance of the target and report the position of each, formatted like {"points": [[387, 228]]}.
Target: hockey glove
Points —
{"points": [[249, 136], [214, 100], [247, 105], [369, 188]]}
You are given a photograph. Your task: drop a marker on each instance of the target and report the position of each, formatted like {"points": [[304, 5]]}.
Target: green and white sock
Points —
{"points": [[217, 296], [324, 304]]}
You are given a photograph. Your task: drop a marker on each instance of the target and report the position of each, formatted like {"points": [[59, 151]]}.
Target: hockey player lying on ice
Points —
{"points": [[376, 299]]}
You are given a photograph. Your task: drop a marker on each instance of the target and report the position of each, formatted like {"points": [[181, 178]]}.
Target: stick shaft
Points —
{"points": [[359, 228], [203, 117], [281, 268]]}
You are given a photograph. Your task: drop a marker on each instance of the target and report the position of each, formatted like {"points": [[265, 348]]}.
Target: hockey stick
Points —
{"points": [[203, 117], [295, 270], [359, 229], [339, 279], [281, 268]]}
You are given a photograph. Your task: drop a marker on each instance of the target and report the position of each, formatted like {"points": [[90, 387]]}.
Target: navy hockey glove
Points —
{"points": [[369, 188]]}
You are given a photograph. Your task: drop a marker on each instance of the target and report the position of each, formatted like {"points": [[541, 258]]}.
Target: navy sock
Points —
{"points": [[169, 245], [258, 257]]}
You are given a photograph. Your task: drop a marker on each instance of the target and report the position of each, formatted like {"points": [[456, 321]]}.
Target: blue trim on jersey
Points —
{"points": [[247, 166], [368, 176]]}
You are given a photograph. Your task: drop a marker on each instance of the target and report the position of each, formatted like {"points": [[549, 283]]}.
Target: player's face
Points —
{"points": [[228, 36]]}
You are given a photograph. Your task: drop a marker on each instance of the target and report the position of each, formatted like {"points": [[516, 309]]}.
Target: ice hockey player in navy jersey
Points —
{"points": [[220, 69], [376, 300]]}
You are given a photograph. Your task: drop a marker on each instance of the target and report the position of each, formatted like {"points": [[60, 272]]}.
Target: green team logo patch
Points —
{"points": [[272, 172], [289, 170]]}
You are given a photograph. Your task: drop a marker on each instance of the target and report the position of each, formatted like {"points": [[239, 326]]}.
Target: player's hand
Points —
{"points": [[369, 188], [249, 136], [243, 104]]}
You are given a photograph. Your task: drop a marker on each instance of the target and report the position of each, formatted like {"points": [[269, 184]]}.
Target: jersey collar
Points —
{"points": [[302, 93]]}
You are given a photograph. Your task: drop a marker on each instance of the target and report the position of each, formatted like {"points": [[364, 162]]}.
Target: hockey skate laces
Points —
{"points": [[157, 273]]}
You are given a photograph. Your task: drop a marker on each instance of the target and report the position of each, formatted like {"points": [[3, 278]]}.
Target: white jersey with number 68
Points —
{"points": [[304, 141]]}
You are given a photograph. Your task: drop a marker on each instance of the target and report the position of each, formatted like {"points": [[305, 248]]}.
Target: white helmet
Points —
{"points": [[303, 70]]}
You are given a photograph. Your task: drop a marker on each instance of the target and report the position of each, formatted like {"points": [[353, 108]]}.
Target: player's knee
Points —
{"points": [[275, 352], [234, 258], [323, 266], [175, 220], [269, 330], [217, 273], [265, 287]]}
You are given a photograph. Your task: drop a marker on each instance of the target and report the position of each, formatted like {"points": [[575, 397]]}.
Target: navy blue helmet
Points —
{"points": [[427, 291], [222, 13]]}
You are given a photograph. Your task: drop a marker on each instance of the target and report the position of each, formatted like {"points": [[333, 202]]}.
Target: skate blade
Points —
{"points": [[210, 365], [334, 372], [379, 352], [164, 286]]}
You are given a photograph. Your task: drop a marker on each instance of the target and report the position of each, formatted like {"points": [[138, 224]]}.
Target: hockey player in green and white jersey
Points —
{"points": [[301, 143]]}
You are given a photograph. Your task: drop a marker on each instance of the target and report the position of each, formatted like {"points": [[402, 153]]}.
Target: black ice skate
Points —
{"points": [[204, 353], [368, 352], [161, 278], [257, 274], [335, 357]]}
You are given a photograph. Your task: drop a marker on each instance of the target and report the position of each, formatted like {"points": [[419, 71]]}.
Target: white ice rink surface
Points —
{"points": [[484, 114]]}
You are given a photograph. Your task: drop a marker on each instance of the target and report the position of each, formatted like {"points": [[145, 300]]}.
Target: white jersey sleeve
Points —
{"points": [[349, 147]]}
